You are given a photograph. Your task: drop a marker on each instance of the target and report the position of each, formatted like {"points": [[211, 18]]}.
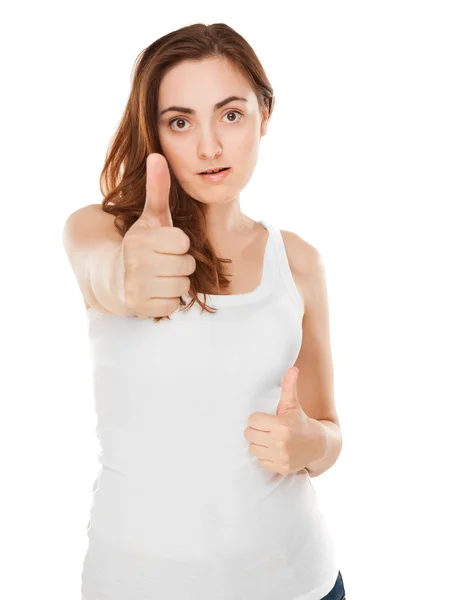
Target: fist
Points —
{"points": [[155, 253]]}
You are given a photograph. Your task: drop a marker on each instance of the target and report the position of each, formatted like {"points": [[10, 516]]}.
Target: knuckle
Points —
{"points": [[183, 240], [192, 262], [186, 285]]}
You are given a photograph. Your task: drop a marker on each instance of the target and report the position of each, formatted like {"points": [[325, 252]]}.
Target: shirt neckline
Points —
{"points": [[261, 291]]}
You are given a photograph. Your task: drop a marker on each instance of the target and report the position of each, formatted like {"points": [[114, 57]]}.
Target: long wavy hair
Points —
{"points": [[123, 177]]}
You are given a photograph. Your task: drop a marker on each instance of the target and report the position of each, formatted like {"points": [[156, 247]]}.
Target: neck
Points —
{"points": [[226, 223]]}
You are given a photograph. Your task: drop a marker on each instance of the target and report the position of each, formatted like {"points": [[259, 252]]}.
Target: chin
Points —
{"points": [[216, 196]]}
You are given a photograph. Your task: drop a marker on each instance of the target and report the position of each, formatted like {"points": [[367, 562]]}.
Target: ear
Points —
{"points": [[264, 122]]}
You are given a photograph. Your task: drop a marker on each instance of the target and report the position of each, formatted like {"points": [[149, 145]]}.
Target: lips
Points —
{"points": [[213, 172], [210, 178]]}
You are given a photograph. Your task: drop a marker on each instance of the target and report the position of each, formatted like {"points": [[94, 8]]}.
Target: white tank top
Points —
{"points": [[181, 510]]}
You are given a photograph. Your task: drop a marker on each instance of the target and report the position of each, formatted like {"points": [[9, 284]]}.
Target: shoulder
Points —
{"points": [[88, 222], [90, 216], [302, 256], [307, 268]]}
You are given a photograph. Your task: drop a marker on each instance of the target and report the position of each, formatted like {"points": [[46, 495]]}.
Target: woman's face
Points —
{"points": [[207, 137]]}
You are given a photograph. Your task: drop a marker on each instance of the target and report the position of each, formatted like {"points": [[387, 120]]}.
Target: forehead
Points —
{"points": [[200, 84]]}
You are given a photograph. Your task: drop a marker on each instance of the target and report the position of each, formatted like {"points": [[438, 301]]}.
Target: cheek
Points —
{"points": [[246, 143], [175, 154]]}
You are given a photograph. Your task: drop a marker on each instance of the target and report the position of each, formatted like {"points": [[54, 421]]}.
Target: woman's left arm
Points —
{"points": [[315, 380]]}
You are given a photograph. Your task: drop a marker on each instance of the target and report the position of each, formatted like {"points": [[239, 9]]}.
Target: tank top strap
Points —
{"points": [[280, 260]]}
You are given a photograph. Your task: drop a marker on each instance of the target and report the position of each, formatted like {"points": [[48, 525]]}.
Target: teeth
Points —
{"points": [[214, 171]]}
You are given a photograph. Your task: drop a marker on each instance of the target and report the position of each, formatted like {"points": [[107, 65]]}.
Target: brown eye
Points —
{"points": [[234, 112], [178, 119]]}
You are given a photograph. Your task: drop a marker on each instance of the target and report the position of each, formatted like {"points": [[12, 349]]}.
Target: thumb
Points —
{"points": [[156, 212], [289, 395]]}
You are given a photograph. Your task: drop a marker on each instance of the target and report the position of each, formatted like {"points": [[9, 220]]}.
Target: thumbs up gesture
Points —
{"points": [[288, 441], [155, 253]]}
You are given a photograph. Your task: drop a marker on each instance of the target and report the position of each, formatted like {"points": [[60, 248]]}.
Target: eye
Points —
{"points": [[238, 112]]}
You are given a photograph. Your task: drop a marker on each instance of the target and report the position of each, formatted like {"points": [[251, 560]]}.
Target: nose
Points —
{"points": [[209, 145]]}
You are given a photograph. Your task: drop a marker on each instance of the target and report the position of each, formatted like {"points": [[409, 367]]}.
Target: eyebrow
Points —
{"points": [[190, 111]]}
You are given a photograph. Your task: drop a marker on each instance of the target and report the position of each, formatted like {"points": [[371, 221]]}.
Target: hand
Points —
{"points": [[288, 441], [156, 263]]}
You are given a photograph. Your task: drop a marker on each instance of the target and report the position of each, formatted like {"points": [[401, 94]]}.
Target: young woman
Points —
{"points": [[213, 385]]}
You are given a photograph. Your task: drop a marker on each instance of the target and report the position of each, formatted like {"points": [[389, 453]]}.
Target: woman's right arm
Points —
{"points": [[93, 246]]}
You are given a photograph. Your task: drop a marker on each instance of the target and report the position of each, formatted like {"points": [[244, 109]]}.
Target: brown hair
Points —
{"points": [[122, 180]]}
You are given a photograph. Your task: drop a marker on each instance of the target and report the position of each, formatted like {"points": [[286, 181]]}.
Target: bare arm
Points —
{"points": [[94, 248]]}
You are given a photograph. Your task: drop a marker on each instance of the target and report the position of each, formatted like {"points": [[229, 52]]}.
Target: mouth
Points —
{"points": [[213, 172], [218, 176]]}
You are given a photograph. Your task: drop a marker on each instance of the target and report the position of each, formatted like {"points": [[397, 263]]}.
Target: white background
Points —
{"points": [[361, 160]]}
